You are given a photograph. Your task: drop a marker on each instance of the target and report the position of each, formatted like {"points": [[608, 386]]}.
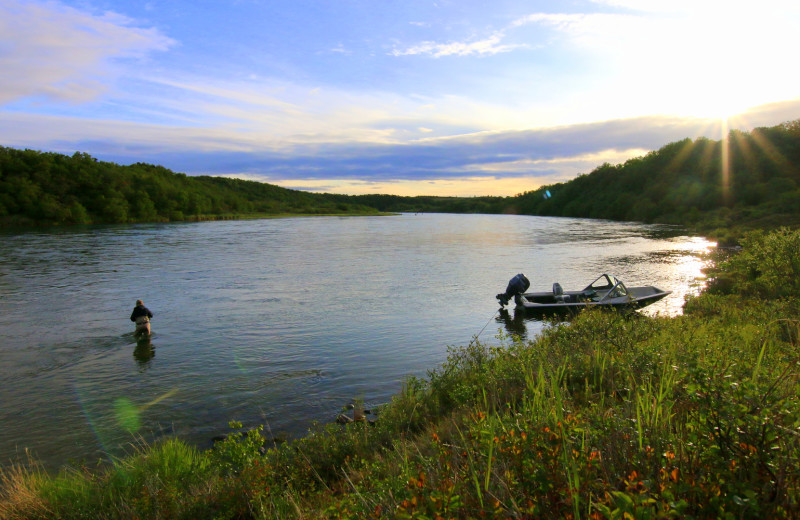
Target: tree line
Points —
{"points": [[430, 203], [51, 188], [749, 179]]}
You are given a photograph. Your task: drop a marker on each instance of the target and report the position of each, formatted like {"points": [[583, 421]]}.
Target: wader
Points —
{"points": [[142, 326]]}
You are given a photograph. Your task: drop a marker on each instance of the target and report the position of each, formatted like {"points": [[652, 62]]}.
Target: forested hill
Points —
{"points": [[681, 183], [687, 182], [47, 188]]}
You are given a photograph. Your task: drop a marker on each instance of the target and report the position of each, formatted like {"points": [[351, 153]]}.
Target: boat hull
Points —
{"points": [[574, 301]]}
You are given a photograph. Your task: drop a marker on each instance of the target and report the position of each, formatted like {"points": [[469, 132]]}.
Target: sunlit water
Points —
{"points": [[276, 322]]}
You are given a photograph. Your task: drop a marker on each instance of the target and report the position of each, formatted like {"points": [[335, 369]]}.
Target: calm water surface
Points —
{"points": [[276, 322]]}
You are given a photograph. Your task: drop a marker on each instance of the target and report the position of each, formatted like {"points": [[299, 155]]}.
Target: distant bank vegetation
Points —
{"points": [[50, 188], [754, 183], [750, 179], [685, 182]]}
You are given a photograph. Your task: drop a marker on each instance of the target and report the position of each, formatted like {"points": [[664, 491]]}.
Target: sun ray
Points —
{"points": [[747, 151], [725, 174], [681, 157], [770, 150]]}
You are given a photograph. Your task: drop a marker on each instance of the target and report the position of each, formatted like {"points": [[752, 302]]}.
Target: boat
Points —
{"points": [[605, 291]]}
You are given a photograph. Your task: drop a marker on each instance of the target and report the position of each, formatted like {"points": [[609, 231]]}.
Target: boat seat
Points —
{"points": [[558, 292]]}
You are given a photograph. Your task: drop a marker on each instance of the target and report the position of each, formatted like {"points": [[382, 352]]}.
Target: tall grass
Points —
{"points": [[20, 495]]}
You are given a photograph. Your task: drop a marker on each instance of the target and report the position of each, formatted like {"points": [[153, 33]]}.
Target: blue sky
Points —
{"points": [[414, 97]]}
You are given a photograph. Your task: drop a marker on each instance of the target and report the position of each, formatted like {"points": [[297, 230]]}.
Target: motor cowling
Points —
{"points": [[516, 286]]}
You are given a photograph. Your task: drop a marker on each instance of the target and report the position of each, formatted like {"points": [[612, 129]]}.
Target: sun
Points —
{"points": [[721, 107], [715, 102]]}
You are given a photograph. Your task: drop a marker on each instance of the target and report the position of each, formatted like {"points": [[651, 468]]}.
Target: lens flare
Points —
{"points": [[127, 415]]}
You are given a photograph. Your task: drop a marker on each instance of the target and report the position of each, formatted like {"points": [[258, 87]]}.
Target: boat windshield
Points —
{"points": [[618, 291], [604, 282]]}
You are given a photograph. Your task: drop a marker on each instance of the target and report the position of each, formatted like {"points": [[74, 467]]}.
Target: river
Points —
{"points": [[278, 322]]}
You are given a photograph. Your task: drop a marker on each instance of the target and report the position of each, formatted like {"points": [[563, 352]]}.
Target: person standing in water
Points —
{"points": [[141, 316]]}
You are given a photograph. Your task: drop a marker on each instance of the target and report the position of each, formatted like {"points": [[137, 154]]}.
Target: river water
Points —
{"points": [[277, 322]]}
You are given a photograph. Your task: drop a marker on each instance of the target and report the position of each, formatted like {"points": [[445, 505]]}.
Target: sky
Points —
{"points": [[412, 97]]}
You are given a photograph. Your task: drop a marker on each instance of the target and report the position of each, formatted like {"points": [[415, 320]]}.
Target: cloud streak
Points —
{"points": [[533, 157], [213, 152], [484, 47]]}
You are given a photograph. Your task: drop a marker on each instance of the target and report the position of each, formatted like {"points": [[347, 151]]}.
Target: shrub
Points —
{"points": [[768, 266]]}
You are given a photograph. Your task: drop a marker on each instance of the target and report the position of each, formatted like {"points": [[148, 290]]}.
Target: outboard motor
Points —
{"points": [[516, 286]]}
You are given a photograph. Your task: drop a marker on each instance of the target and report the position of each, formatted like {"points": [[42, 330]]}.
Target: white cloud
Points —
{"points": [[275, 111], [48, 49], [567, 167], [485, 47], [340, 49], [695, 6]]}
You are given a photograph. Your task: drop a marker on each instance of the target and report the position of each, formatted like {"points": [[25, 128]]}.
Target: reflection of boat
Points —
{"points": [[605, 291], [515, 324]]}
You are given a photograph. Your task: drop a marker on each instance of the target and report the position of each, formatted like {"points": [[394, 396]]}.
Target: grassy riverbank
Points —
{"points": [[609, 416]]}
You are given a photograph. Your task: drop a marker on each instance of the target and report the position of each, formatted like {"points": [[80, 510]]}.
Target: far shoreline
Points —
{"points": [[5, 225]]}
